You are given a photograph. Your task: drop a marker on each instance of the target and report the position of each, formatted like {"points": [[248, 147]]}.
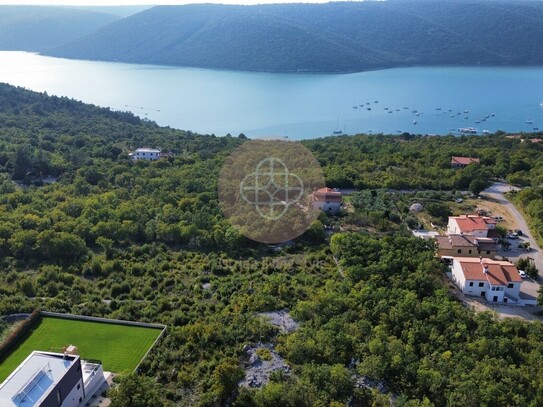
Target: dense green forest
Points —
{"points": [[146, 241], [33, 28], [332, 37]]}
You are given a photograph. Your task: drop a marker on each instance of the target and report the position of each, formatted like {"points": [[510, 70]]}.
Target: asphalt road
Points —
{"points": [[496, 192]]}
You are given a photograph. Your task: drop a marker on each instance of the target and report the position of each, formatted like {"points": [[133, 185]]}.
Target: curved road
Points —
{"points": [[496, 192]]}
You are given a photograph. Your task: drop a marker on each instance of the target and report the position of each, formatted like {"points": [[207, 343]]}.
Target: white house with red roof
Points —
{"points": [[462, 162], [478, 226], [496, 281], [326, 199]]}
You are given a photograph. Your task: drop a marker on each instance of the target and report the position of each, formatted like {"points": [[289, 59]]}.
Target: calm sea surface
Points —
{"points": [[294, 105]]}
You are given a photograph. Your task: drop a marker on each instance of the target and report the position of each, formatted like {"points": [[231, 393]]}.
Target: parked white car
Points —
{"points": [[522, 274]]}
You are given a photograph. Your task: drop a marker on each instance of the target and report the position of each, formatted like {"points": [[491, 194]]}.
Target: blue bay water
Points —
{"points": [[299, 106]]}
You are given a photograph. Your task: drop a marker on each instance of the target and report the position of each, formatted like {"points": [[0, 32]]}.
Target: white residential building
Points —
{"points": [[326, 199], [149, 154], [46, 379], [478, 226], [496, 281]]}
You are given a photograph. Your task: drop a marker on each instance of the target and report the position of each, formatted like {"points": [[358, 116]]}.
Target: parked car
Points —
{"points": [[512, 236], [519, 232], [522, 274], [498, 218]]}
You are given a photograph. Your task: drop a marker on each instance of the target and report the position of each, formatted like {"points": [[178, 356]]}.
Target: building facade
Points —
{"points": [[466, 246], [149, 154], [47, 379], [496, 281], [326, 199], [478, 226]]}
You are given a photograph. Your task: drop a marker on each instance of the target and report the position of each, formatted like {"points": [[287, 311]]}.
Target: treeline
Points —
{"points": [[423, 162], [332, 37]]}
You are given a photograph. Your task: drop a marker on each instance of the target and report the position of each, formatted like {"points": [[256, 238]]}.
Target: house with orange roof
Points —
{"points": [[476, 225], [326, 199], [462, 162], [494, 280]]}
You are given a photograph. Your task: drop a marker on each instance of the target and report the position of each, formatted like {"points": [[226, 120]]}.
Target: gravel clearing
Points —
{"points": [[258, 370]]}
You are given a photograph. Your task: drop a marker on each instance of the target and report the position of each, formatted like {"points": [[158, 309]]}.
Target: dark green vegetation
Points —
{"points": [[530, 201], [119, 347], [333, 37], [149, 237], [33, 28]]}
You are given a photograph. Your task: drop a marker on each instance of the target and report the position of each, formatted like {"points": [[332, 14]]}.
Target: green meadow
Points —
{"points": [[119, 347]]}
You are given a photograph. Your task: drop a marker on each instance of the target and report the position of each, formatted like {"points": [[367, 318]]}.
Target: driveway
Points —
{"points": [[496, 193]]}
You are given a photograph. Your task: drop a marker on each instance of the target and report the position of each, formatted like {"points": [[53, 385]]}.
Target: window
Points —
{"points": [[469, 252], [510, 285], [471, 283], [481, 284], [493, 288], [78, 386], [80, 399], [459, 251], [488, 252]]}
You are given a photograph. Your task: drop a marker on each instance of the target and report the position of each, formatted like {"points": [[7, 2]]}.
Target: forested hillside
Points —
{"points": [[33, 28], [332, 37], [146, 241]]}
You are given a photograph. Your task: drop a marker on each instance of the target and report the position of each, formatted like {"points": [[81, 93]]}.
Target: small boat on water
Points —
{"points": [[376, 101], [477, 121], [466, 111], [414, 122], [493, 114], [397, 110], [337, 131], [386, 108], [355, 107], [529, 121], [368, 108], [536, 128], [486, 132], [452, 115], [438, 108], [468, 130]]}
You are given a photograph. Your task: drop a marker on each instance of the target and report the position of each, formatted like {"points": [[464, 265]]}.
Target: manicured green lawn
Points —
{"points": [[119, 347]]}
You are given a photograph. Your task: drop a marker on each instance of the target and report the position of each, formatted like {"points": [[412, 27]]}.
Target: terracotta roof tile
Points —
{"points": [[463, 160], [498, 272]]}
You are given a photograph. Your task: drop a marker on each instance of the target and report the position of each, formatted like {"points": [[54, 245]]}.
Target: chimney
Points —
{"points": [[485, 269], [481, 259]]}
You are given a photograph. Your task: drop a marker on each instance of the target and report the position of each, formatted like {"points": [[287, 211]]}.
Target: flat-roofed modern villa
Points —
{"points": [[47, 379], [38, 373]]}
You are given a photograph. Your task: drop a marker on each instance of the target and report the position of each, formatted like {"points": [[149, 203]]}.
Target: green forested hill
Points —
{"points": [[333, 37], [146, 241], [34, 28]]}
